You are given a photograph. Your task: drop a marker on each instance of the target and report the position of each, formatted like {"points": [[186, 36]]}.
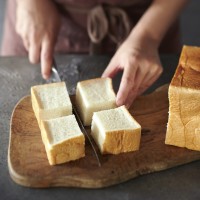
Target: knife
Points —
{"points": [[56, 78]]}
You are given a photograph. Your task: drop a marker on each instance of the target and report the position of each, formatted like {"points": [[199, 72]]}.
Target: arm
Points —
{"points": [[138, 56], [38, 22], [158, 19]]}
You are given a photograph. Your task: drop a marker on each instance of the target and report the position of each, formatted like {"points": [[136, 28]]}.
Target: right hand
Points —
{"points": [[38, 23], [139, 59]]}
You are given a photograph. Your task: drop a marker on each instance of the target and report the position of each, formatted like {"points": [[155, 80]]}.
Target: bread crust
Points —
{"points": [[63, 151], [183, 127], [188, 70], [67, 149], [121, 141]]}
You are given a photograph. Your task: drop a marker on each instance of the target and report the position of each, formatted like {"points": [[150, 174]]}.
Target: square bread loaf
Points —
{"points": [[115, 131], [50, 101], [183, 128], [63, 139], [94, 95]]}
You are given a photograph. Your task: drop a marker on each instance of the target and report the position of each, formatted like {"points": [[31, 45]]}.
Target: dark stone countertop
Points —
{"points": [[17, 75]]}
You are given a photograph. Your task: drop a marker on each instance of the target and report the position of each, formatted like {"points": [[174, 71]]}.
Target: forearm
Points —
{"points": [[157, 19]]}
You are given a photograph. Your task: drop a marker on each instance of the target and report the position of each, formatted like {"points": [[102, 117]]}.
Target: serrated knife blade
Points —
{"points": [[56, 78]]}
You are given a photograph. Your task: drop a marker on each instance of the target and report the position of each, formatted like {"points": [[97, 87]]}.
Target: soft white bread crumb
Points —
{"points": [[50, 101], [63, 139], [183, 127], [115, 131], [94, 95]]}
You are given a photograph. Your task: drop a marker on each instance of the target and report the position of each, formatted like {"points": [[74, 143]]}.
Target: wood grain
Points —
{"points": [[28, 164]]}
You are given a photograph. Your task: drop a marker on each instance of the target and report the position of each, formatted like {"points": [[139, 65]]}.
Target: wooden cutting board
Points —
{"points": [[28, 164]]}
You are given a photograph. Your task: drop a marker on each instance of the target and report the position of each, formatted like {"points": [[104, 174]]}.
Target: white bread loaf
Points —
{"points": [[63, 139], [183, 128], [50, 101], [94, 95], [115, 131]]}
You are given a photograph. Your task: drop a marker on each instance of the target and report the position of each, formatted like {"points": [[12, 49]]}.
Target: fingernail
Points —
{"points": [[103, 76], [119, 102], [45, 76]]}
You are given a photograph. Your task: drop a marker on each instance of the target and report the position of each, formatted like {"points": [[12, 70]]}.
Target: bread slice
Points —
{"points": [[183, 128], [94, 95], [115, 131], [63, 139], [50, 101]]}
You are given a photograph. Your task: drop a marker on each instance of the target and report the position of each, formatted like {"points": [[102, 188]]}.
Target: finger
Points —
{"points": [[26, 43], [34, 47], [34, 53], [111, 70], [149, 80], [130, 98], [126, 85], [146, 85], [139, 77], [46, 57]]}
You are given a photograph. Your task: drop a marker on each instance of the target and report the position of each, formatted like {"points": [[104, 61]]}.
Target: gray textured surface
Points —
{"points": [[17, 76]]}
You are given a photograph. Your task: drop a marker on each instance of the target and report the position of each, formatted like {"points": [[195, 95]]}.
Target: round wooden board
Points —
{"points": [[28, 164]]}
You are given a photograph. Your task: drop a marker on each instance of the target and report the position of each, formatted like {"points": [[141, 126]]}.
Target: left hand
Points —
{"points": [[141, 67], [38, 24]]}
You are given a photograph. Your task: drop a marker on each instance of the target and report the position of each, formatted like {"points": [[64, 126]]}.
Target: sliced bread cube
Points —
{"points": [[115, 131], [50, 101], [94, 95], [63, 139]]}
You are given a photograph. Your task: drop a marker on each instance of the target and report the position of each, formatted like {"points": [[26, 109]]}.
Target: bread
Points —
{"points": [[115, 131], [60, 132], [183, 128], [94, 95], [63, 139], [50, 101]]}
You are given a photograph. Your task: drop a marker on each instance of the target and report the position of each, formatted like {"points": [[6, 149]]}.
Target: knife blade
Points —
{"points": [[56, 78]]}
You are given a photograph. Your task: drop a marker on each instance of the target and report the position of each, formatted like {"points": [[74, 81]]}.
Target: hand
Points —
{"points": [[139, 60], [38, 22]]}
